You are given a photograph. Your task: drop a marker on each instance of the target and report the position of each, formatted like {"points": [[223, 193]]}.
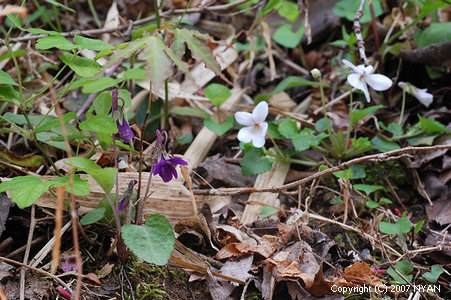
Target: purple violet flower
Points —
{"points": [[165, 167], [125, 132]]}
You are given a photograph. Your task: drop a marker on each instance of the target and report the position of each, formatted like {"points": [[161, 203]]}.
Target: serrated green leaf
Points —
{"points": [[97, 85], [91, 44], [55, 42], [430, 125], [254, 162], [122, 51], [358, 172], [6, 79], [152, 242], [25, 189], [305, 139], [288, 128], [266, 211], [93, 216], [80, 187], [217, 93], [100, 123], [217, 128], [83, 66]]}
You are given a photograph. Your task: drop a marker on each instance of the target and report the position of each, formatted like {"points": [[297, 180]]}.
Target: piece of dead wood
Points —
{"points": [[438, 54], [274, 177]]}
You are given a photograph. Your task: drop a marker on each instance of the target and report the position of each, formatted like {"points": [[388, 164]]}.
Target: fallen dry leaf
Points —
{"points": [[250, 246]]}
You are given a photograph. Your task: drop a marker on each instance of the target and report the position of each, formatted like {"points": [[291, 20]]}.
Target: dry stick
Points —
{"points": [[58, 225], [11, 261], [126, 26], [358, 33], [73, 206], [394, 193], [23, 248], [27, 252], [343, 166]]}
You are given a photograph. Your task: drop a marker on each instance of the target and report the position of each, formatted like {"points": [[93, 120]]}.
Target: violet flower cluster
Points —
{"points": [[165, 165], [125, 132]]}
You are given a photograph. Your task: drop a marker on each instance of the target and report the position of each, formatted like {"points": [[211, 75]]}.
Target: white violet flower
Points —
{"points": [[256, 126], [422, 95], [362, 76]]}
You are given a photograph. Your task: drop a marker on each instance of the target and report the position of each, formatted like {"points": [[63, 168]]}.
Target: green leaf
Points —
{"points": [[184, 139], [159, 65], [102, 103], [305, 139], [259, 44], [122, 51], [93, 216], [358, 172], [25, 189], [383, 145], [100, 123], [14, 18], [368, 188], [105, 140], [219, 129], [8, 93], [321, 124], [55, 42], [433, 34], [286, 37], [80, 188], [152, 242], [384, 200], [404, 225], [272, 4], [289, 82], [371, 204], [289, 11], [336, 200], [388, 228], [357, 114], [97, 85], [430, 125], [217, 93], [344, 174], [254, 162], [41, 31], [53, 2], [82, 163], [55, 122], [266, 211], [348, 8], [433, 276], [105, 177], [418, 226], [273, 130], [288, 128], [83, 66], [393, 128], [405, 268], [6, 79], [135, 73], [188, 111], [91, 44]]}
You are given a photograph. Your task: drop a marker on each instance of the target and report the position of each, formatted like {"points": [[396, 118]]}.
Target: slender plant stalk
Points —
{"points": [[94, 14], [184, 13], [166, 104], [157, 13], [403, 105]]}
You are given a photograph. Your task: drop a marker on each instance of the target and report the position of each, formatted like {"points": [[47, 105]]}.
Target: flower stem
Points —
{"points": [[157, 13], [403, 105], [275, 146], [304, 162]]}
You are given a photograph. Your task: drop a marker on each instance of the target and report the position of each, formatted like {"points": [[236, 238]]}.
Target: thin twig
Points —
{"points": [[93, 32], [27, 251], [11, 261], [381, 157], [358, 33]]}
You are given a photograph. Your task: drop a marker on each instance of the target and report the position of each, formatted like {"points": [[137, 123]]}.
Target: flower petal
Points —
{"points": [[245, 134], [355, 81], [244, 118], [258, 139], [378, 82], [423, 96], [166, 172], [157, 167], [174, 172], [349, 64], [260, 112], [178, 161]]}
